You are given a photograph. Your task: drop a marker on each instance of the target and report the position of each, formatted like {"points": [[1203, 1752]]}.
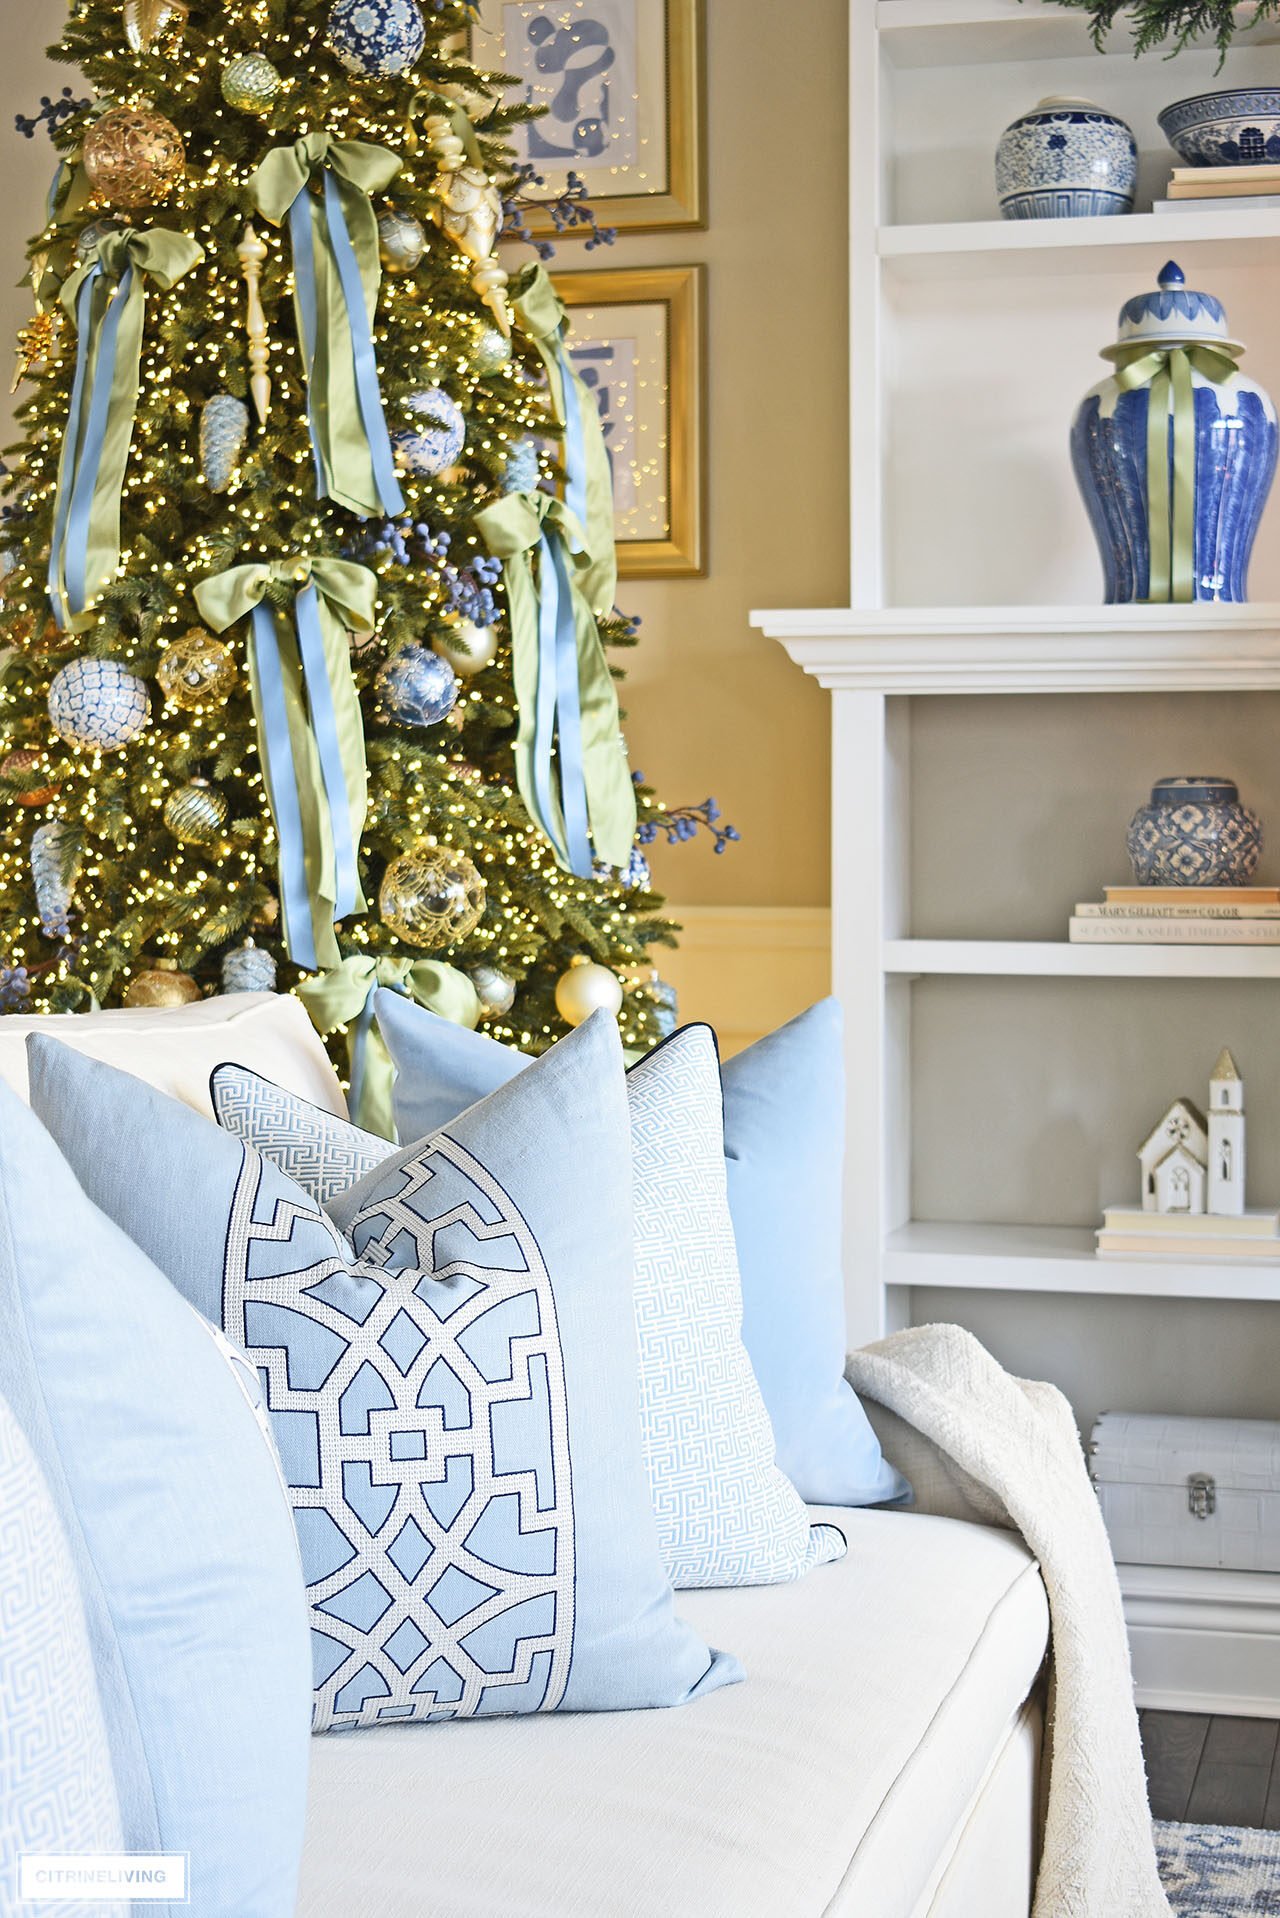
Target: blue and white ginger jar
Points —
{"points": [[1066, 159], [1194, 832], [1235, 445]]}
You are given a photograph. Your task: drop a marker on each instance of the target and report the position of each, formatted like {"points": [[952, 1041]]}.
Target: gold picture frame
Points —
{"points": [[636, 338], [625, 87]]}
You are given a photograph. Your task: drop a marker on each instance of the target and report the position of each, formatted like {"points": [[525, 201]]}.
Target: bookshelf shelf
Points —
{"points": [[1060, 1259], [1204, 239], [1035, 959], [950, 33]]}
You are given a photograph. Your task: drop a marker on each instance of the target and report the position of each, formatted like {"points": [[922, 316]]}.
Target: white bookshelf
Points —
{"points": [[994, 728]]}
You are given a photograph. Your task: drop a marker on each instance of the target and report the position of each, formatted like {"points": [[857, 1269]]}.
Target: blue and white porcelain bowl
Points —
{"points": [[1236, 126], [1066, 159]]}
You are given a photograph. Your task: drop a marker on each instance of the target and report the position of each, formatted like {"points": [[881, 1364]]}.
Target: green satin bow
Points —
{"points": [[343, 996], [544, 320], [106, 299], [514, 528], [310, 731], [351, 458], [1171, 474]]}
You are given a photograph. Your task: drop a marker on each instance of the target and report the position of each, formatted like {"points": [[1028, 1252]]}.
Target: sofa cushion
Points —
{"points": [[456, 1400], [176, 1047], [168, 1491], [880, 1691]]}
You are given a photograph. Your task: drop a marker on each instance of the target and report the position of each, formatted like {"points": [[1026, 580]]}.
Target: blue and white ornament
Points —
{"points": [[98, 704], [224, 429], [520, 474], [54, 876], [376, 38], [248, 968], [416, 687], [437, 442]]}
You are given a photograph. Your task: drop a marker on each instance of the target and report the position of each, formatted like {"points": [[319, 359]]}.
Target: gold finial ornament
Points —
{"points": [[146, 20], [469, 212], [251, 252]]}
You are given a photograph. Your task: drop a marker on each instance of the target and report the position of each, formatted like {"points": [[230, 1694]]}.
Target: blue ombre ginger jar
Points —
{"points": [[1209, 500], [1066, 159]]}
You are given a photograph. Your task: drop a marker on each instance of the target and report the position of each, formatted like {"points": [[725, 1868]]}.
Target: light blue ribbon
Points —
{"points": [[559, 715], [277, 754], [65, 495], [90, 454], [364, 358], [324, 725]]}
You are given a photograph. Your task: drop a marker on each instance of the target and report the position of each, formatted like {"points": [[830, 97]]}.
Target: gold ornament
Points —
{"points": [[35, 343], [431, 897], [195, 813], [586, 988], [133, 157], [146, 20], [469, 213], [250, 83], [21, 764], [468, 649], [251, 252], [197, 670], [402, 241], [161, 985]]}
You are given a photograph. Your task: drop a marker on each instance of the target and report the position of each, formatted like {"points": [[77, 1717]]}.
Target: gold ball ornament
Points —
{"points": [[195, 813], [133, 157], [197, 670], [586, 988], [468, 649], [431, 897], [23, 763], [161, 985], [402, 241], [250, 83]]}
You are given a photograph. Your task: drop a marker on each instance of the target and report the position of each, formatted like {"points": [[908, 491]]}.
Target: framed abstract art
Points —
{"points": [[636, 341], [622, 85]]}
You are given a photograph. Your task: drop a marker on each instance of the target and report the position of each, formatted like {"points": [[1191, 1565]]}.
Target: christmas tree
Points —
{"points": [[308, 549]]}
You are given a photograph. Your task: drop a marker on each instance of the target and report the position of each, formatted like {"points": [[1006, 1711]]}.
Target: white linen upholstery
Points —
{"points": [[175, 1048], [880, 1691], [990, 1872]]}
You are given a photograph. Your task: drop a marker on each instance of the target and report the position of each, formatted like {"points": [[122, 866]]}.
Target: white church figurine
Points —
{"points": [[1175, 1161], [1226, 1138]]}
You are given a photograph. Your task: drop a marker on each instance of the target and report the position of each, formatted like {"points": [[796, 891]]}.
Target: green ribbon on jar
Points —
{"points": [[1171, 460]]}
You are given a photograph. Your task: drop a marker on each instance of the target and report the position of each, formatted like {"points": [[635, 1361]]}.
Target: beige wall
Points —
{"points": [[714, 707]]}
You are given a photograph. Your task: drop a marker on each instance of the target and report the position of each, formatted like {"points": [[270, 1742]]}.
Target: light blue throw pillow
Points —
{"points": [[726, 1514], [455, 1399], [56, 1784], [169, 1495], [783, 1125]]}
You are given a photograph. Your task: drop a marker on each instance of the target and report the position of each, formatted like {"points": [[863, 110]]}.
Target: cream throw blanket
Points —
{"points": [[979, 1444]]}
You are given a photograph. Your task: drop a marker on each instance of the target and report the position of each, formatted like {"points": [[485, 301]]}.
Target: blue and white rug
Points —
{"points": [[1220, 1871]]}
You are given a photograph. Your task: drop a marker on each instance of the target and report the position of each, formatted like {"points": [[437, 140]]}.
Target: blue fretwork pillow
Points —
{"points": [[726, 1514], [455, 1399]]}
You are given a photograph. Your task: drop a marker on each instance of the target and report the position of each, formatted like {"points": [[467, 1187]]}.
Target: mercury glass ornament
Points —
{"points": [[161, 985], [495, 991], [468, 649], [197, 670], [224, 429], [248, 968], [87, 244], [250, 83], [416, 687], [146, 21], [492, 352], [586, 988], [133, 157], [402, 241], [195, 813], [431, 897]]}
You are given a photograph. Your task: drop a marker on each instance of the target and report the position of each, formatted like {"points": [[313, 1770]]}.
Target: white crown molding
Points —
{"points": [[1033, 649]]}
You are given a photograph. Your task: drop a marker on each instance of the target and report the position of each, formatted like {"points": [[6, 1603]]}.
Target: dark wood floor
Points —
{"points": [[1213, 1771]]}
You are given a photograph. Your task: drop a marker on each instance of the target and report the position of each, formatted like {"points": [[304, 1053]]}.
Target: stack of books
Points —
{"points": [[1180, 916], [1129, 1232], [1226, 186]]}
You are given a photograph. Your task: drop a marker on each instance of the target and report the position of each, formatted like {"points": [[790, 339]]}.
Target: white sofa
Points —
{"points": [[881, 1760]]}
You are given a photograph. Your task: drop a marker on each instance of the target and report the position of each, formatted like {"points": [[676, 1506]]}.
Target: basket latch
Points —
{"points": [[1202, 1495]]}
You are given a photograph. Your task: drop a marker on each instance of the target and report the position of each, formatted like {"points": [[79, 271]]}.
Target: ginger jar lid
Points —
{"points": [[1173, 314]]}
